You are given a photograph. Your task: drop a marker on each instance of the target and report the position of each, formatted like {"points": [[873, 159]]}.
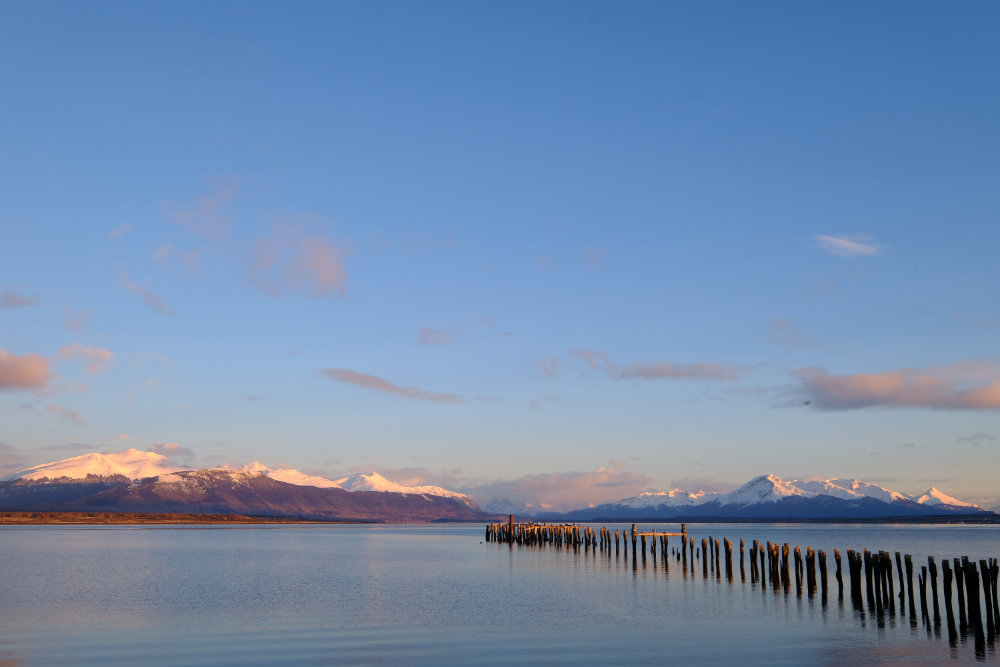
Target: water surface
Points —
{"points": [[279, 594]]}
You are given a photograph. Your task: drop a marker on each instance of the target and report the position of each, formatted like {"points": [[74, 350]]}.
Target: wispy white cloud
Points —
{"points": [[549, 366], [119, 231], [172, 450], [539, 401], [96, 358], [658, 370], [74, 320], [28, 371], [208, 217], [976, 439], [783, 332], [293, 261], [959, 386], [561, 491], [428, 336], [64, 413], [384, 386], [148, 297], [847, 246], [14, 296]]}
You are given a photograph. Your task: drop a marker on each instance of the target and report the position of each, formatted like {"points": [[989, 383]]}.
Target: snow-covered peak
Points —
{"points": [[934, 497], [672, 498], [850, 489], [131, 463], [762, 489], [373, 481], [290, 476]]}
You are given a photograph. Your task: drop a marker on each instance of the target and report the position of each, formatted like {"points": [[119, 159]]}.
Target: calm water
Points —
{"points": [[434, 595]]}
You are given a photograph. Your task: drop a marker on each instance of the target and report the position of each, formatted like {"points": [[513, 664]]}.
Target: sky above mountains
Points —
{"points": [[563, 250]]}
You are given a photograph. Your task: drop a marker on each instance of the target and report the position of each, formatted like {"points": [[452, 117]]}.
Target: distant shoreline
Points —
{"points": [[125, 518]]}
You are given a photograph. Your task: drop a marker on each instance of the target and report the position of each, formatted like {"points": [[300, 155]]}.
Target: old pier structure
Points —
{"points": [[871, 580]]}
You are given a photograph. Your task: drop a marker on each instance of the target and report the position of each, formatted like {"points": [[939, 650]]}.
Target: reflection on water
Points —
{"points": [[442, 595]]}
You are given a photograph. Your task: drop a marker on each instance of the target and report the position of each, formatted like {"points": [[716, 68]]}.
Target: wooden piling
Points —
{"points": [[949, 614], [743, 573], [822, 575], [840, 578], [932, 567], [704, 557], [909, 584], [991, 627]]}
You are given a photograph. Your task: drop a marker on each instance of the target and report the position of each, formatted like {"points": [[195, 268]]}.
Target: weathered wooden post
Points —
{"points": [[949, 614], [822, 575], [810, 571], [963, 621], [902, 586], [633, 542], [972, 597], [909, 585], [932, 566], [743, 572], [891, 597], [922, 580], [798, 571], [704, 557], [840, 578], [684, 532], [984, 568], [717, 570]]}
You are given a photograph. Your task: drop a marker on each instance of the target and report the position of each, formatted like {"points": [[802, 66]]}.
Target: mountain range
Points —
{"points": [[138, 481]]}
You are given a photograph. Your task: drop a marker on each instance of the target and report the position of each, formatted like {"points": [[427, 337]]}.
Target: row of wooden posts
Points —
{"points": [[780, 561]]}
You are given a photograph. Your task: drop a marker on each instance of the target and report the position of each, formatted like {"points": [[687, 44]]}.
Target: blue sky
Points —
{"points": [[541, 250]]}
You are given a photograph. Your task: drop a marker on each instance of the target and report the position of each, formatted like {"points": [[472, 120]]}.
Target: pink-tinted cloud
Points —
{"points": [[383, 385], [96, 359], [75, 320], [666, 370], [847, 246], [427, 336], [597, 361], [562, 491], [119, 231], [961, 386], [707, 484], [172, 450], [658, 370], [148, 297], [291, 260], [28, 371], [13, 296], [549, 366], [539, 401], [783, 332], [64, 413], [208, 218], [167, 252]]}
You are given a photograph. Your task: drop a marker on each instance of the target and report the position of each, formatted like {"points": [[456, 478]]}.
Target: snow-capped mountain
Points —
{"points": [[934, 497], [373, 481], [133, 466], [769, 496], [131, 463]]}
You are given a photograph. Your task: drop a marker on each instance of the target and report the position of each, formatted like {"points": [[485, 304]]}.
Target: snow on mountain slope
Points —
{"points": [[772, 489], [131, 463], [290, 476], [672, 498], [850, 489], [934, 497], [373, 481], [361, 482], [763, 489]]}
